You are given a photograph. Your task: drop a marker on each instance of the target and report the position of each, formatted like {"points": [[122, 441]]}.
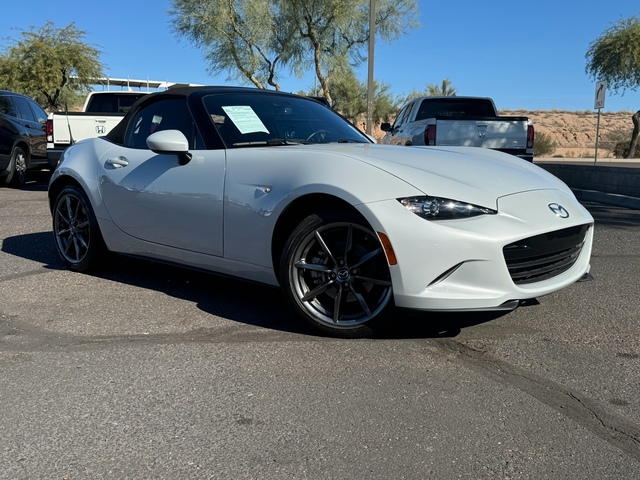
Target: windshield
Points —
{"points": [[259, 119]]}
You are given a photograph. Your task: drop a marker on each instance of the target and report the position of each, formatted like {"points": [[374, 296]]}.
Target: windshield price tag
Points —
{"points": [[245, 119]]}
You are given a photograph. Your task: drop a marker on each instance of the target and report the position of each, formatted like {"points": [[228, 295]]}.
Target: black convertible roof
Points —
{"points": [[206, 90]]}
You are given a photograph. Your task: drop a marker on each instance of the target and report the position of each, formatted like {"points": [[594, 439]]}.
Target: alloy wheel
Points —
{"points": [[71, 228], [340, 275]]}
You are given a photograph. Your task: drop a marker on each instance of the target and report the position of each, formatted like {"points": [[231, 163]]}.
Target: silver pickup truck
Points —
{"points": [[462, 122]]}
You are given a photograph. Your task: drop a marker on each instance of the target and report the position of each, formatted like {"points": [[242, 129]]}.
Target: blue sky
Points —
{"points": [[523, 54]]}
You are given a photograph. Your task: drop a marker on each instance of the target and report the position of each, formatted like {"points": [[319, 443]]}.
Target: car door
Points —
{"points": [[33, 118], [152, 197], [8, 131]]}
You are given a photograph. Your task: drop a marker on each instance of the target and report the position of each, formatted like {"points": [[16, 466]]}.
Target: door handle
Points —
{"points": [[118, 162]]}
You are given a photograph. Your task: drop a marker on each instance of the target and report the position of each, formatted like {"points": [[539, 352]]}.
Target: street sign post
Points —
{"points": [[601, 91]]}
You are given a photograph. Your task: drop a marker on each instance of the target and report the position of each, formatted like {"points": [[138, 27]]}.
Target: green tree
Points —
{"points": [[350, 98], [255, 39], [246, 38], [615, 57], [443, 90], [50, 64], [432, 90], [337, 31]]}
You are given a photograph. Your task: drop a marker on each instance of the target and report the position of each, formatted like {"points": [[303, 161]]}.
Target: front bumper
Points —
{"points": [[459, 265]]}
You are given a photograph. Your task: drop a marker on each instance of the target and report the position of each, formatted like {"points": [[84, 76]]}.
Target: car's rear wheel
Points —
{"points": [[335, 274], [76, 232]]}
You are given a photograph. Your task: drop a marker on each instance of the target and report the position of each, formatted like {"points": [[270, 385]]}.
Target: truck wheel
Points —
{"points": [[335, 275]]}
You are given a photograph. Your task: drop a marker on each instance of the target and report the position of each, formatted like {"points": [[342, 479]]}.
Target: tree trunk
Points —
{"points": [[634, 136]]}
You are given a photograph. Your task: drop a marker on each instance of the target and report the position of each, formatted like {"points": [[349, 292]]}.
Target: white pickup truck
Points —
{"points": [[462, 122], [101, 112]]}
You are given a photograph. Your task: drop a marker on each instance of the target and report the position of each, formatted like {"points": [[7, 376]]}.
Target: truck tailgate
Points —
{"points": [[496, 133]]}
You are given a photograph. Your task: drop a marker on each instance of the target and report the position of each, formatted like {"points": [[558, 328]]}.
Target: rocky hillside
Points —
{"points": [[574, 133]]}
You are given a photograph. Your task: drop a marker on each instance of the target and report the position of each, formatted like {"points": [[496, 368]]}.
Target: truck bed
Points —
{"points": [[68, 128]]}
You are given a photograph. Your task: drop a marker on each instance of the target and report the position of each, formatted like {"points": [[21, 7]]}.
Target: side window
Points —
{"points": [[402, 116], [24, 111], [169, 114], [38, 112], [7, 107]]}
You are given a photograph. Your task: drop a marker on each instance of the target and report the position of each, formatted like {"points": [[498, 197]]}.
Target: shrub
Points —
{"points": [[611, 140], [622, 148], [543, 146]]}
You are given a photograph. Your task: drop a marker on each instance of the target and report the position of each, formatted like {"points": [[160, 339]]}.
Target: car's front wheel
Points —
{"points": [[76, 232], [335, 274]]}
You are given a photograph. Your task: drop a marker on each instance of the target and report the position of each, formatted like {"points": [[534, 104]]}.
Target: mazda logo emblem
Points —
{"points": [[559, 210]]}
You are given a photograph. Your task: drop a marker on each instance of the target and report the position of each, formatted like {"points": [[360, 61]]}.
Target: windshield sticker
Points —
{"points": [[245, 119]]}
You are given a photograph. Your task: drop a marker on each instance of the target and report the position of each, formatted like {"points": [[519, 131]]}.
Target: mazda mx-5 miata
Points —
{"points": [[279, 189]]}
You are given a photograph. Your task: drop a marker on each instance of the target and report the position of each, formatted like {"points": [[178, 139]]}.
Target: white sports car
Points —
{"points": [[279, 189]]}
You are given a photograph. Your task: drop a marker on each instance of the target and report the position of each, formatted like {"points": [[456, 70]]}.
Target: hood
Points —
{"points": [[474, 175]]}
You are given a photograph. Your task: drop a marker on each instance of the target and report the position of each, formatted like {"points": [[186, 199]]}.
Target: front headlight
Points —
{"points": [[436, 208]]}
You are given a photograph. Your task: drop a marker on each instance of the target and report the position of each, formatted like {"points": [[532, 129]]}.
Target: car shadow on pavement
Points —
{"points": [[226, 297], [237, 300], [37, 181], [266, 307], [37, 247], [611, 216], [437, 324]]}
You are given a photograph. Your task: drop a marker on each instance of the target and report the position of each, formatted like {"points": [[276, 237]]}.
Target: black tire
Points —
{"points": [[17, 174], [335, 275], [75, 230]]}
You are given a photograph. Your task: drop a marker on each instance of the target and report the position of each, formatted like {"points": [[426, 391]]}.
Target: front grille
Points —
{"points": [[544, 256]]}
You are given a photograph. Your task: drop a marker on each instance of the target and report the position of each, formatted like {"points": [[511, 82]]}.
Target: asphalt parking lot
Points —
{"points": [[149, 371]]}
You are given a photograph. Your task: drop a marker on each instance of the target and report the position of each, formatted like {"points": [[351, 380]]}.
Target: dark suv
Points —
{"points": [[23, 143]]}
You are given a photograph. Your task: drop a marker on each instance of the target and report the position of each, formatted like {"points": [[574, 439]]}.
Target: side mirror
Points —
{"points": [[385, 127], [170, 142]]}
